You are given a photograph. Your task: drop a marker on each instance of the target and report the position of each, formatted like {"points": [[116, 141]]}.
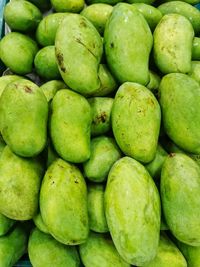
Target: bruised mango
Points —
{"points": [[5, 80]]}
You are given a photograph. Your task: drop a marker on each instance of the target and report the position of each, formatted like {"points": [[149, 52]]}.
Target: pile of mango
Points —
{"points": [[100, 151]]}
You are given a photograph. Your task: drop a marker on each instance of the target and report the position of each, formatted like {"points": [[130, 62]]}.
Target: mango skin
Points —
{"points": [[127, 30], [50, 88], [192, 2], [104, 153], [99, 251], [135, 113], [110, 2], [180, 170], [13, 246], [20, 180], [154, 82], [22, 16], [148, 2], [135, 229], [179, 101], [5, 80], [168, 254], [5, 224], [16, 117], [73, 6], [196, 48], [184, 9], [191, 254], [17, 51], [70, 125], [96, 212], [44, 250], [195, 71], [173, 38], [79, 49], [39, 223], [63, 196]]}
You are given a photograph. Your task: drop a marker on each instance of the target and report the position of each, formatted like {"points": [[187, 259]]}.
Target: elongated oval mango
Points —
{"points": [[132, 207]]}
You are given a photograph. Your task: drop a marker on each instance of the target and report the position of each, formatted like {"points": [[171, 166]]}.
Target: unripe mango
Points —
{"points": [[73, 6], [50, 88]]}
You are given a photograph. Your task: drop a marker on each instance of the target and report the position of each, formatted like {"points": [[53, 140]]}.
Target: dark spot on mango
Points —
{"points": [[60, 59], [61, 166], [28, 90], [100, 119], [112, 45], [83, 24], [171, 155]]}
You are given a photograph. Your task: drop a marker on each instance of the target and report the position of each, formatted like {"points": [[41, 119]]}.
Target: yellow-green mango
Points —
{"points": [[196, 48], [181, 207], [70, 126], [154, 82], [5, 80], [23, 118], [132, 207], [39, 223], [173, 38], [20, 180], [13, 246], [135, 114], [179, 100], [148, 2], [192, 2], [50, 88], [168, 255], [74, 6], [110, 2], [195, 71], [96, 211], [128, 42], [79, 49], [63, 203], [5, 224], [191, 253], [45, 251], [99, 251], [98, 14]]}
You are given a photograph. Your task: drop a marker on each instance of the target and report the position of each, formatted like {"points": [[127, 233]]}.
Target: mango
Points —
{"points": [[39, 223], [47, 28], [127, 30], [24, 109], [192, 254], [50, 88], [70, 125], [63, 203], [135, 114], [180, 171], [20, 180], [110, 2], [168, 254], [5, 80], [13, 246], [22, 16], [5, 224], [173, 38], [45, 63], [99, 251], [132, 207], [192, 2], [148, 2], [79, 49], [43, 5], [98, 14], [195, 71], [104, 153], [45, 251], [154, 82], [196, 48], [74, 6], [179, 101], [17, 52]]}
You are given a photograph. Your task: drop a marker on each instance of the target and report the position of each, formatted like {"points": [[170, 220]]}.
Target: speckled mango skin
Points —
{"points": [[23, 118], [99, 251], [70, 126], [79, 48], [135, 229], [173, 38], [179, 101], [44, 250], [191, 254], [5, 80], [20, 181], [127, 30], [63, 203], [135, 114], [5, 224], [181, 207]]}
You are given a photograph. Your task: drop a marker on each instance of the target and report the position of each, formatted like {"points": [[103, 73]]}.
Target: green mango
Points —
{"points": [[150, 13], [17, 52], [154, 82], [5, 224], [22, 16], [184, 9], [132, 207], [39, 223], [196, 49], [135, 114], [74, 6], [168, 255], [155, 166], [63, 203], [148, 2], [195, 71], [99, 251], [173, 50], [181, 207], [101, 112], [45, 63], [43, 5], [46, 30], [13, 246], [79, 49], [98, 14], [50, 88], [104, 153], [127, 30], [23, 118], [5, 80], [20, 180], [70, 125], [191, 253], [96, 212], [110, 2], [179, 101], [192, 2], [45, 251]]}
